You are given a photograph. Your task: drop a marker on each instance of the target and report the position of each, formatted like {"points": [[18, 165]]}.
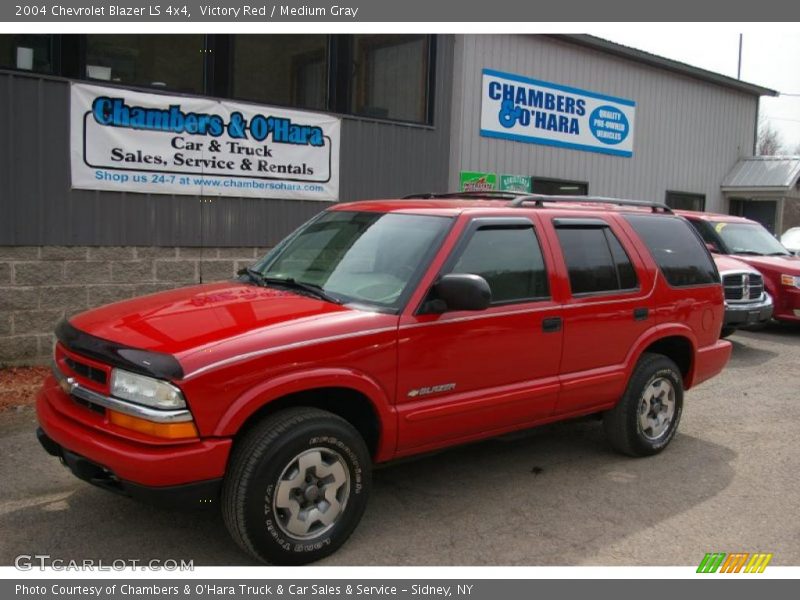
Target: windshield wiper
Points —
{"points": [[748, 252], [255, 276], [778, 254], [310, 288]]}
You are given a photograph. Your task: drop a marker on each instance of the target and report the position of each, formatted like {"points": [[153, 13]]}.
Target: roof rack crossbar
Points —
{"points": [[539, 199], [475, 194]]}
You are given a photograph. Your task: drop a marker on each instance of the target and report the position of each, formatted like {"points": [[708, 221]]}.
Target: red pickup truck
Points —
{"points": [[381, 330], [750, 242]]}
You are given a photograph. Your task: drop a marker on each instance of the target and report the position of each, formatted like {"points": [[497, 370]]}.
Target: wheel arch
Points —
{"points": [[350, 395], [676, 343]]}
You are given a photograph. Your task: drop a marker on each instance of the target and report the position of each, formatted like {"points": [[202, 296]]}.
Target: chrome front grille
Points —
{"points": [[743, 287]]}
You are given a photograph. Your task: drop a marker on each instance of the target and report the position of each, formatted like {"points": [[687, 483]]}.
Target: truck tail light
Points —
{"points": [[182, 430]]}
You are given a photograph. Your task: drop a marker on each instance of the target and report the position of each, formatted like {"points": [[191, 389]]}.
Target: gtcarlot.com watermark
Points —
{"points": [[30, 562]]}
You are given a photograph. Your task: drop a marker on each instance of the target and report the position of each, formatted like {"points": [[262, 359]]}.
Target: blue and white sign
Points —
{"points": [[537, 112], [128, 141]]}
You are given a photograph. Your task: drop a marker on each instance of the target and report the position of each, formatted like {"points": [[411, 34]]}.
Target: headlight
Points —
{"points": [[790, 280], [145, 390]]}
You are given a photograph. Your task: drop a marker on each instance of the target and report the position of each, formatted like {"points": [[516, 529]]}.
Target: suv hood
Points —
{"points": [[195, 319], [789, 265]]}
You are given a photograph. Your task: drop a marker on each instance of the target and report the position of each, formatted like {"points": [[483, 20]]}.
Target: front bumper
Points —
{"points": [[131, 464], [188, 495], [742, 315], [787, 305]]}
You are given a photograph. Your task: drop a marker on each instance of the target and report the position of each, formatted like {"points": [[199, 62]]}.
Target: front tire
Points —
{"points": [[645, 420], [297, 486]]}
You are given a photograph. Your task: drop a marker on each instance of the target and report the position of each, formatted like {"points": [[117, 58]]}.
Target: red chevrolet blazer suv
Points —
{"points": [[380, 330]]}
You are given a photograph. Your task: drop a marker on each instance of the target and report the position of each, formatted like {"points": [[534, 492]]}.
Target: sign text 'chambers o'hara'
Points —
{"points": [[129, 141], [522, 109]]}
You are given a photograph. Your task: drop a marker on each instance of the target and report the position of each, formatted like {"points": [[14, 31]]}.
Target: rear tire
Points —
{"points": [[645, 420], [296, 487]]}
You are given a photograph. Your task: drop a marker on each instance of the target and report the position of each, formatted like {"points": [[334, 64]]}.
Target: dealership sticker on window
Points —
{"points": [[522, 109], [128, 141]]}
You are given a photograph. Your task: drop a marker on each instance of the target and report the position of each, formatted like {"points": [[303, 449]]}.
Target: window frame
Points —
{"points": [[230, 81], [602, 224], [208, 67], [466, 236], [535, 179], [427, 79], [70, 52], [692, 195], [55, 57]]}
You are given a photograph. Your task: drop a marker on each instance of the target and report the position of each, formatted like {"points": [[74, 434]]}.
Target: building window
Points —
{"points": [[558, 187], [175, 62], [596, 261], [288, 70], [390, 77], [686, 201], [28, 52]]}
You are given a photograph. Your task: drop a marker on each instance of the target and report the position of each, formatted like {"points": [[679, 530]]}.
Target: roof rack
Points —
{"points": [[540, 199], [519, 199], [495, 194]]}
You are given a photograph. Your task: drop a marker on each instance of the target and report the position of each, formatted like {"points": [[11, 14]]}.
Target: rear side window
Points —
{"points": [[509, 259], [595, 259], [677, 249]]}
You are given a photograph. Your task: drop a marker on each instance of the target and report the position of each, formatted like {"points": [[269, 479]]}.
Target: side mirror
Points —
{"points": [[463, 291], [712, 248]]}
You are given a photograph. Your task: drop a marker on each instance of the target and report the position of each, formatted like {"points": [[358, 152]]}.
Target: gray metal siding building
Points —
{"points": [[691, 128], [39, 208]]}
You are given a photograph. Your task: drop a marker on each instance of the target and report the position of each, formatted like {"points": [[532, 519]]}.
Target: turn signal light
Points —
{"points": [[173, 431], [790, 280]]}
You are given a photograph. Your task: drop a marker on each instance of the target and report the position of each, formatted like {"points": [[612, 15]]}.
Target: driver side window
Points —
{"points": [[509, 259]]}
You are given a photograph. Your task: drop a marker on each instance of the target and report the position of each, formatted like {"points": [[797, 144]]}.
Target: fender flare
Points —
{"points": [[247, 404], [655, 334]]}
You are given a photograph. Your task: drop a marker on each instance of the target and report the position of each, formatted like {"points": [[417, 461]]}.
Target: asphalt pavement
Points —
{"points": [[556, 495]]}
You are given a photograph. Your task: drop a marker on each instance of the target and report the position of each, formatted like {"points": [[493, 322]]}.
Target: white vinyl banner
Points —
{"points": [[126, 141]]}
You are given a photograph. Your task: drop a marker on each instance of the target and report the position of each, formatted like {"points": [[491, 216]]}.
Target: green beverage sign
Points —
{"points": [[515, 183], [475, 181]]}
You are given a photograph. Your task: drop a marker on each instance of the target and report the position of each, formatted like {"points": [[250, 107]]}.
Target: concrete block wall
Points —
{"points": [[39, 285]]}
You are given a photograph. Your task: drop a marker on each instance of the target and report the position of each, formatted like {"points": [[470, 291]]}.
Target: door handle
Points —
{"points": [[640, 314], [551, 324]]}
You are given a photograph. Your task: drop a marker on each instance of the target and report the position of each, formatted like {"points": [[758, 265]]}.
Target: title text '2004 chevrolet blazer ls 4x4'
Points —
{"points": [[380, 330]]}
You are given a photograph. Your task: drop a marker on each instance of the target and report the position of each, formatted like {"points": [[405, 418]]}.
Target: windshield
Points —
{"points": [[748, 238], [362, 257]]}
